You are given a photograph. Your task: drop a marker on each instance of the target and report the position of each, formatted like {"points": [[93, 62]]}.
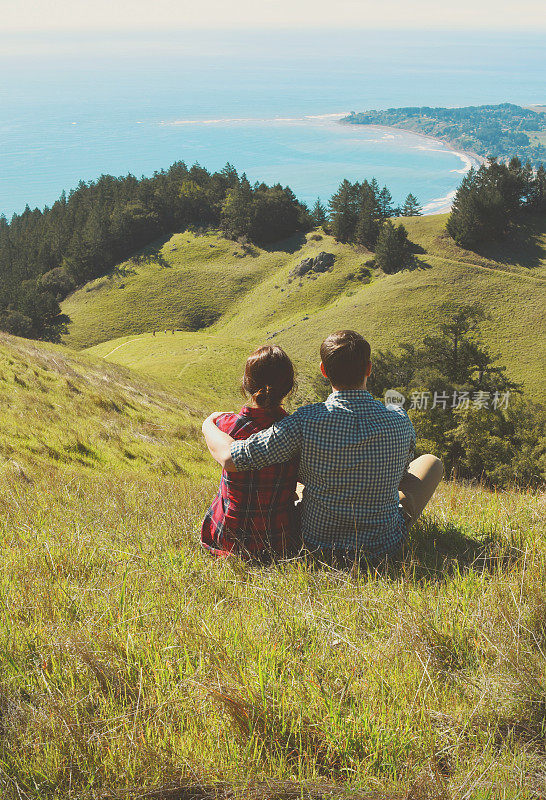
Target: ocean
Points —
{"points": [[75, 107]]}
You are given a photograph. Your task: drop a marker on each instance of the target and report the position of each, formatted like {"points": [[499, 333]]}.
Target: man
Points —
{"points": [[362, 490]]}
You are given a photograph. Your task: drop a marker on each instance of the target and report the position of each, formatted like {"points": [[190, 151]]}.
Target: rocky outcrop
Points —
{"points": [[321, 263]]}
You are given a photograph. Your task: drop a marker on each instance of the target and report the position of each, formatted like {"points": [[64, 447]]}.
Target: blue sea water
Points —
{"points": [[75, 106]]}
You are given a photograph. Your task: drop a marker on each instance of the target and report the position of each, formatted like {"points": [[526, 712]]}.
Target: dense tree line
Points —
{"points": [[360, 213], [45, 254], [262, 213], [462, 404], [491, 130], [490, 201]]}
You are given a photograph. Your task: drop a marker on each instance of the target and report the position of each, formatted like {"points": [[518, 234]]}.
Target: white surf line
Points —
{"points": [[440, 205], [227, 120]]}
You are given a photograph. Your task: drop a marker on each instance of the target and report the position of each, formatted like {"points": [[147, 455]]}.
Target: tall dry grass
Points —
{"points": [[133, 665]]}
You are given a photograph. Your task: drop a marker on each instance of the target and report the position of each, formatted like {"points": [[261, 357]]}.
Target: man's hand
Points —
{"points": [[218, 442]]}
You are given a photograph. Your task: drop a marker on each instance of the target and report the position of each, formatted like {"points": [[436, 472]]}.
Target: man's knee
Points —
{"points": [[418, 488], [435, 468], [439, 467], [426, 466]]}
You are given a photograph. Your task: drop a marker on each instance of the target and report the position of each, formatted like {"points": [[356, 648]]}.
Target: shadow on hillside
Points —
{"points": [[152, 252], [272, 790], [416, 263], [523, 246], [436, 552], [290, 245]]}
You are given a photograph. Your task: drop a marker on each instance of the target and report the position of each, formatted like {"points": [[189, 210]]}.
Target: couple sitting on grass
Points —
{"points": [[361, 489]]}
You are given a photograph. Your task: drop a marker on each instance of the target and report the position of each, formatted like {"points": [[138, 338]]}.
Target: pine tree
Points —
{"points": [[464, 224], [229, 175], [385, 204], [392, 250], [404, 244], [375, 190], [538, 189], [411, 207], [367, 226], [528, 180], [343, 214], [318, 214], [236, 210], [457, 348]]}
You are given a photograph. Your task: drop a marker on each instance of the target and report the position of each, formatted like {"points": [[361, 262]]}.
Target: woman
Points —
{"points": [[253, 513]]}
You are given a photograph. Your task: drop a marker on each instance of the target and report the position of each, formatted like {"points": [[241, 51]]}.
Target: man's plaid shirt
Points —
{"points": [[353, 452]]}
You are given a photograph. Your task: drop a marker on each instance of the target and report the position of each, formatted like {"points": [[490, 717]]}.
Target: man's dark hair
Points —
{"points": [[345, 355]]}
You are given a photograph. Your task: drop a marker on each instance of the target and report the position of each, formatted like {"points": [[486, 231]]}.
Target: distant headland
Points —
{"points": [[501, 131]]}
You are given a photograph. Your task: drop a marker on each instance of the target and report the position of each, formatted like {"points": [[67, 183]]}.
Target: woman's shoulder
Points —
{"points": [[228, 422], [249, 420], [239, 425]]}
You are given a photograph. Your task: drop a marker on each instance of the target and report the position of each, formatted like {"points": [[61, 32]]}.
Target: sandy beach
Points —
{"points": [[439, 205]]}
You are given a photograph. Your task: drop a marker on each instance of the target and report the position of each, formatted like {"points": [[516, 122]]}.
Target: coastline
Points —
{"points": [[437, 205], [440, 205]]}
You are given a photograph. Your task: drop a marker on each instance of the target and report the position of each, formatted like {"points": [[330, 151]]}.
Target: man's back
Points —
{"points": [[353, 453]]}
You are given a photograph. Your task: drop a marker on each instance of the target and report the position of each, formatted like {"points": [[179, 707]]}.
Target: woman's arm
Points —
{"points": [[218, 442]]}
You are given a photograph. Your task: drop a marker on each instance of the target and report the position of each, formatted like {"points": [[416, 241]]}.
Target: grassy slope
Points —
{"points": [[510, 282], [59, 407], [132, 662], [207, 366], [183, 283]]}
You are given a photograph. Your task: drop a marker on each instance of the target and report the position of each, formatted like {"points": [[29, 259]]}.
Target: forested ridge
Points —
{"points": [[492, 200], [45, 254], [502, 131]]}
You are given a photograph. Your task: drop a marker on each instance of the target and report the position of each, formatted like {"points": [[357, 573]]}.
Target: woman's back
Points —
{"points": [[253, 512]]}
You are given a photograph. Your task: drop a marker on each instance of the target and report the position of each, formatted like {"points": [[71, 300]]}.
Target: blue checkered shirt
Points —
{"points": [[353, 452]]}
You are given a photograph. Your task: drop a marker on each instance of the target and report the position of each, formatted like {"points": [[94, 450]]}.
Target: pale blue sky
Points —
{"points": [[31, 15]]}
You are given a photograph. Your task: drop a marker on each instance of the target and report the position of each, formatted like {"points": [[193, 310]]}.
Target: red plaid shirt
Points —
{"points": [[253, 512]]}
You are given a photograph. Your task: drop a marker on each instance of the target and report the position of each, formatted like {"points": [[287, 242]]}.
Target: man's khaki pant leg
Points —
{"points": [[418, 485]]}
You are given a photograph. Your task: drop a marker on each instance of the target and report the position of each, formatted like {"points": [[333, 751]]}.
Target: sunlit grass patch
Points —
{"points": [[57, 406], [133, 661], [135, 665]]}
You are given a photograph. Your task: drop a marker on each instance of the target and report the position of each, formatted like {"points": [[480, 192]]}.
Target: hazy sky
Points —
{"points": [[31, 15]]}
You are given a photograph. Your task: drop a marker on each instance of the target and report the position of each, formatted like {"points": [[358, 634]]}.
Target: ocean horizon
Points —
{"points": [[75, 107]]}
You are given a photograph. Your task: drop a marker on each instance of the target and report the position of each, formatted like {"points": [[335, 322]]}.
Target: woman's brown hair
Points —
{"points": [[268, 376]]}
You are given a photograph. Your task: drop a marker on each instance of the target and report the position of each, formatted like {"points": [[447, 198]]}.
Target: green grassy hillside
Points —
{"points": [[252, 299], [208, 367], [62, 408], [187, 282], [133, 665]]}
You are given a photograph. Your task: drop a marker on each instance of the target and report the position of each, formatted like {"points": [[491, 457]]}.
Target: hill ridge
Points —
{"points": [[255, 299]]}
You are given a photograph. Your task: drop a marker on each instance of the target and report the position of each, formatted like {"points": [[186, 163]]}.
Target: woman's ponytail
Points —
{"points": [[269, 376]]}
